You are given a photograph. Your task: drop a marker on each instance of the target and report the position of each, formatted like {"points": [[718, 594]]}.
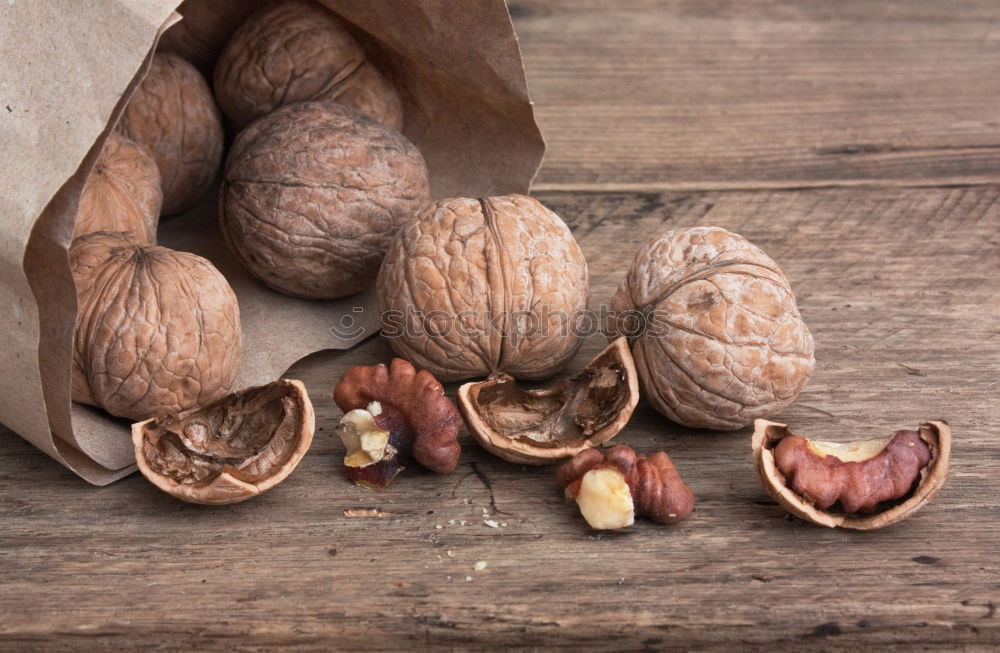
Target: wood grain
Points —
{"points": [[693, 94], [901, 288], [652, 110]]}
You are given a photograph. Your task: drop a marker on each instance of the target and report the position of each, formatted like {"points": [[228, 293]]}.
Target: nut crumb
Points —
{"points": [[479, 566], [438, 526], [451, 554], [491, 523], [366, 512], [468, 579], [451, 522]]}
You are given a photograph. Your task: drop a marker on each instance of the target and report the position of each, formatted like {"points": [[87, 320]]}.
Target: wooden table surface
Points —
{"points": [[859, 144]]}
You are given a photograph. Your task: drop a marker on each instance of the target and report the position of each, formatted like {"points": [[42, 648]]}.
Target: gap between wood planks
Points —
{"points": [[744, 185]]}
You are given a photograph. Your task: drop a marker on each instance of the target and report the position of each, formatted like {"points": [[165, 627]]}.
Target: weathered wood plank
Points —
{"points": [[684, 94], [901, 288]]}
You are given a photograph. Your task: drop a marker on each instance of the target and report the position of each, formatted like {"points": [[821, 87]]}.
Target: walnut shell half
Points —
{"points": [[122, 192], [884, 480], [299, 51], [229, 451], [535, 427], [717, 337]]}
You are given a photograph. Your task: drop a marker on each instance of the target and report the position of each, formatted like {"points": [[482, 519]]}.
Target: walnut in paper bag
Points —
{"points": [[467, 110]]}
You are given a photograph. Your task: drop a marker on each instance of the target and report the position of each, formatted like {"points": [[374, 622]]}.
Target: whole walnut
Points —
{"points": [[313, 193], [173, 114], [122, 192], [157, 331], [716, 336], [298, 51], [478, 286]]}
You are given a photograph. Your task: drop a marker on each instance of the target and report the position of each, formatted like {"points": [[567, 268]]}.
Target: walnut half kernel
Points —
{"points": [[612, 487], [863, 484], [393, 413]]}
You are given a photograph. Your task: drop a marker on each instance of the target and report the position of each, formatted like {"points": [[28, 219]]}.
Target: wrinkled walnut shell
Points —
{"points": [[299, 51], [477, 286], [157, 331], [425, 421], [236, 448], [122, 192], [173, 114], [535, 427], [658, 491], [717, 337], [312, 195], [859, 481]]}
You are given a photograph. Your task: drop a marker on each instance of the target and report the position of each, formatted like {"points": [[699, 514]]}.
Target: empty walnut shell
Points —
{"points": [[535, 427], [883, 480], [173, 114], [229, 451], [477, 286], [299, 51], [122, 192], [313, 193], [717, 337], [157, 331]]}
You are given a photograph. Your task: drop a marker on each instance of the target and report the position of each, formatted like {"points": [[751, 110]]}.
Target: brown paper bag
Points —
{"points": [[67, 71]]}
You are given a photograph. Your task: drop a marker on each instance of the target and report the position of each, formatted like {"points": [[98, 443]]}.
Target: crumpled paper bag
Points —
{"points": [[68, 71]]}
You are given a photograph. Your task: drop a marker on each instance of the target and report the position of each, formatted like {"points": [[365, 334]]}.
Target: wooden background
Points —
{"points": [[859, 144]]}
